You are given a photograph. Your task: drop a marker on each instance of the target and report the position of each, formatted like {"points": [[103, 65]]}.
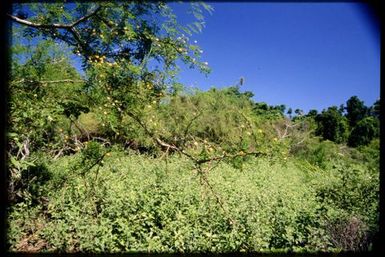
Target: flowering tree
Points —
{"points": [[129, 51]]}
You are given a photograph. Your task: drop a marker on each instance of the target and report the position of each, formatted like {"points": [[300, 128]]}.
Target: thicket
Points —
{"points": [[124, 158]]}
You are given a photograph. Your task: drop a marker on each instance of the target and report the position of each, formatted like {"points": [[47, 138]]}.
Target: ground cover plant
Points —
{"points": [[126, 159]]}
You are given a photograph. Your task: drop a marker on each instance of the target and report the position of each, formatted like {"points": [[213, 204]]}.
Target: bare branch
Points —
{"points": [[69, 27], [49, 81], [190, 123], [217, 198], [39, 25], [54, 25], [227, 156], [97, 9]]}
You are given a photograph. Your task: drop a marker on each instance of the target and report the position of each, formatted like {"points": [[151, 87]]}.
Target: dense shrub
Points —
{"points": [[134, 203], [365, 131]]}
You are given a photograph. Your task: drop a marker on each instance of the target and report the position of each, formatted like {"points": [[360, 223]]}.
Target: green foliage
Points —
{"points": [[332, 125], [364, 132], [147, 205], [89, 124], [217, 171], [375, 109], [356, 110], [354, 191], [319, 153], [370, 154]]}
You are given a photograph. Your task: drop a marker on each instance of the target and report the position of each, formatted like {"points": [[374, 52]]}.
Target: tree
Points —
{"points": [[375, 109], [364, 132], [356, 111], [128, 34], [117, 41], [299, 112], [38, 87], [289, 112], [312, 113], [282, 108], [331, 125], [341, 109]]}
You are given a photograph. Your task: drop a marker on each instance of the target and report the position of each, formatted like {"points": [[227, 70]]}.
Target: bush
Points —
{"points": [[135, 203]]}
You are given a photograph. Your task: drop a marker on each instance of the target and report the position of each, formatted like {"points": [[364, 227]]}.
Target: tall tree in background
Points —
{"points": [[312, 113], [375, 109], [332, 125], [364, 132], [355, 111]]}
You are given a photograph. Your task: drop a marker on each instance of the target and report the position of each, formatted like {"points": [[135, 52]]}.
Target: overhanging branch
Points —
{"points": [[68, 27], [54, 25], [49, 81]]}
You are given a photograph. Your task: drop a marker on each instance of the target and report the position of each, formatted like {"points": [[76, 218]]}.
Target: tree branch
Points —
{"points": [[39, 25], [54, 25], [225, 156], [49, 81], [68, 27], [85, 17]]}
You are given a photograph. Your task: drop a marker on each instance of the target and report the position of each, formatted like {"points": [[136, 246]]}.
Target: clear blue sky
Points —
{"points": [[303, 55]]}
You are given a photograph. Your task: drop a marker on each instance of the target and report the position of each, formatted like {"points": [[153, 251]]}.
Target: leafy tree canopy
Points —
{"points": [[356, 110], [124, 33], [332, 125], [364, 132]]}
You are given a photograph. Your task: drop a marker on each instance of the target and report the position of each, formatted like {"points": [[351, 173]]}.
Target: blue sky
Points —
{"points": [[303, 55]]}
